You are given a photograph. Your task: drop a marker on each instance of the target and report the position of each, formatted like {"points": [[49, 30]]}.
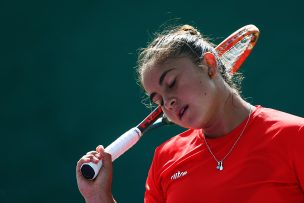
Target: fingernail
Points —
{"points": [[99, 147]]}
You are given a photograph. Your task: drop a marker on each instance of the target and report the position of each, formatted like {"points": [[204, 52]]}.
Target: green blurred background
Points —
{"points": [[68, 82]]}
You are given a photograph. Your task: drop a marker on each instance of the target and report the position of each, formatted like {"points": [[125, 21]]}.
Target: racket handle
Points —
{"points": [[90, 170], [116, 149]]}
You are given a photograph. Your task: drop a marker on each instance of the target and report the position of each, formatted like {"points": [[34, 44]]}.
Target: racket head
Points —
{"points": [[235, 49]]}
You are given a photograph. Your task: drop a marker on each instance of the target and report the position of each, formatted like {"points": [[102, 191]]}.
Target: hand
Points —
{"points": [[100, 189]]}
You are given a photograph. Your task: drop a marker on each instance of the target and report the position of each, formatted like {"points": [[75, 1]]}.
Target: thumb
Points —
{"points": [[107, 161], [106, 158], [104, 178]]}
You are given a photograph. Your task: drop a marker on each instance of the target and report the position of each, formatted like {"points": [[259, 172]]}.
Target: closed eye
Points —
{"points": [[158, 102], [156, 99], [172, 83]]}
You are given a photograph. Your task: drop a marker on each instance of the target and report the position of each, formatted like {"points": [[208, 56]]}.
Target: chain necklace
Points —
{"points": [[220, 166]]}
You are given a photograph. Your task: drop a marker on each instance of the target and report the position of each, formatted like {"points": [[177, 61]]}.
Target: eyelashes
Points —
{"points": [[159, 102], [172, 84]]}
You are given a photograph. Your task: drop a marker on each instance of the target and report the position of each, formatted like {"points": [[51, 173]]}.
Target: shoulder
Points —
{"points": [[277, 124], [278, 119]]}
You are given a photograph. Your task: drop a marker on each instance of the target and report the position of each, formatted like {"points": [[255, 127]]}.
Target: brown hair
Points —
{"points": [[181, 41]]}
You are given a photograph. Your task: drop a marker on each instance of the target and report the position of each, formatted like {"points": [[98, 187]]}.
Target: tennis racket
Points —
{"points": [[232, 52]]}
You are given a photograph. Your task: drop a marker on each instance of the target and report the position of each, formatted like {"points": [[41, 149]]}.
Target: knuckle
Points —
{"points": [[91, 152]]}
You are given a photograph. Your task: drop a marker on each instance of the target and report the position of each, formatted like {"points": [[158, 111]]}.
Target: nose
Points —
{"points": [[170, 103]]}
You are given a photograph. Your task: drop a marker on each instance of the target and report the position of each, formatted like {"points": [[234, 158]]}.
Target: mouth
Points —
{"points": [[182, 112]]}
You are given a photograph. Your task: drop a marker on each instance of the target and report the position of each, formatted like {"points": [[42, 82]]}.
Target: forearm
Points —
{"points": [[101, 199]]}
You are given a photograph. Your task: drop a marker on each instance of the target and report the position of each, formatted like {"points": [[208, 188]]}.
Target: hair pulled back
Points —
{"points": [[181, 41]]}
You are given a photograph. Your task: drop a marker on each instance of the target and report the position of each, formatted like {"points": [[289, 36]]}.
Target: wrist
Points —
{"points": [[101, 198]]}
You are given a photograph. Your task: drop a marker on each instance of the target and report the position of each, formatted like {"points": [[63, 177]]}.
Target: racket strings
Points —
{"points": [[230, 57]]}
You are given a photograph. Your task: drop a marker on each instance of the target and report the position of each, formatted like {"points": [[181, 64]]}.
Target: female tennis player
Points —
{"points": [[232, 152]]}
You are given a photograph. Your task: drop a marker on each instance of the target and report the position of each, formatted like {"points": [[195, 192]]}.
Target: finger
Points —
{"points": [[88, 158], [100, 148], [107, 159], [92, 152], [83, 160], [105, 176], [79, 175], [96, 153], [93, 158], [80, 163]]}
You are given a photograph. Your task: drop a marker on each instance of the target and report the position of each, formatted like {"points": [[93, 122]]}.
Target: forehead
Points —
{"points": [[150, 75]]}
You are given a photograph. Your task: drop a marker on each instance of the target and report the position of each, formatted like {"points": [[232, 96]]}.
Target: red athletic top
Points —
{"points": [[266, 165]]}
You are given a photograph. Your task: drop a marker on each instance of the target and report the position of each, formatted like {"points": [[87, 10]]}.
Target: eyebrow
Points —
{"points": [[163, 75], [160, 82]]}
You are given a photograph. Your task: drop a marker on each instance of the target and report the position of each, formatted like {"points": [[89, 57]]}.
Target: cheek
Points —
{"points": [[200, 89], [170, 117]]}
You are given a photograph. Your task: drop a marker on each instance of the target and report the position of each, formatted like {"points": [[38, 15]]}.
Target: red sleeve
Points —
{"points": [[153, 192], [298, 156]]}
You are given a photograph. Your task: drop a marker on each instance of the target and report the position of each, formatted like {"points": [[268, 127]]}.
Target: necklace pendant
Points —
{"points": [[220, 166]]}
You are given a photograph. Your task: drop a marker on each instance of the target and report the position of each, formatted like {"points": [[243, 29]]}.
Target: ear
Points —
{"points": [[210, 61]]}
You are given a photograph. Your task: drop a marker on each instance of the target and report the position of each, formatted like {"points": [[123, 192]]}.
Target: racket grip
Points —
{"points": [[116, 149]]}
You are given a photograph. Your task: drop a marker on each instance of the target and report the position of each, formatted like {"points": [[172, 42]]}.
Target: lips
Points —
{"points": [[182, 111]]}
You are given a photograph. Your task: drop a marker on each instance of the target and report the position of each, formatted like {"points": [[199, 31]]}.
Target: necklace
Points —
{"points": [[220, 165]]}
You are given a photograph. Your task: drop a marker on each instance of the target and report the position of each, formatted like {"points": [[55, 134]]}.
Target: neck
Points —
{"points": [[231, 114]]}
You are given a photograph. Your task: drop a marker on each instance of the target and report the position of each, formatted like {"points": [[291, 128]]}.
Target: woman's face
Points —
{"points": [[187, 94]]}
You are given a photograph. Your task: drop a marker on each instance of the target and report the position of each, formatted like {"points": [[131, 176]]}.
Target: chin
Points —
{"points": [[191, 125], [196, 125], [182, 124]]}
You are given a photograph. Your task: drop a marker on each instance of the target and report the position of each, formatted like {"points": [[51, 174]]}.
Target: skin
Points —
{"points": [[99, 190], [195, 96], [191, 96]]}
